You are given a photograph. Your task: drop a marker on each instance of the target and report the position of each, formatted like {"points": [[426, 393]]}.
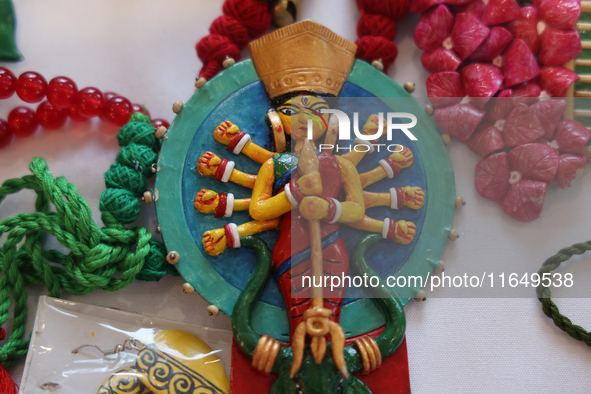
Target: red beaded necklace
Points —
{"points": [[63, 99]]}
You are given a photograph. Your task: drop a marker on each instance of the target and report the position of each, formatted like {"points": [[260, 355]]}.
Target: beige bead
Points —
{"points": [[378, 64], [177, 106], [409, 86], [159, 230], [200, 82], [188, 289], [460, 202], [441, 267], [160, 132], [446, 138], [429, 109], [228, 62], [148, 197], [421, 296], [453, 235], [213, 310], [173, 257]]}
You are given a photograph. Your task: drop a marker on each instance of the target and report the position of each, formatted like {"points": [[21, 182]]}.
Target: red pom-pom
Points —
{"points": [[376, 25], [229, 27], [212, 50], [374, 48], [393, 9], [254, 15]]}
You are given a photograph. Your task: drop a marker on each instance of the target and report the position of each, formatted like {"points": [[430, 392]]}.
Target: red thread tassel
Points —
{"points": [[7, 384]]}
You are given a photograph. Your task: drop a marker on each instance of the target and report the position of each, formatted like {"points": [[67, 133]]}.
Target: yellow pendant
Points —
{"points": [[176, 362]]}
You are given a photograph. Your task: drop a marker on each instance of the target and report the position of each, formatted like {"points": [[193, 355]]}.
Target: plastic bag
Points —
{"points": [[61, 326]]}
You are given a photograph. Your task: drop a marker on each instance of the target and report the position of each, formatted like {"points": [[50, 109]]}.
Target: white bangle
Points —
{"points": [[229, 205], [393, 198], [338, 211], [235, 235], [386, 228], [241, 144], [384, 164], [292, 201], [359, 141], [228, 171]]}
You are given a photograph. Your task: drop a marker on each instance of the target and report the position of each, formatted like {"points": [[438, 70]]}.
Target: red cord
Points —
{"points": [[377, 28], [243, 20]]}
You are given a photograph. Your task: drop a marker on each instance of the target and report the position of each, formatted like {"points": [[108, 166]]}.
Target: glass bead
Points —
{"points": [[5, 133], [160, 122], [74, 115], [90, 102], [7, 83], [109, 95], [50, 117], [22, 122], [142, 109], [117, 111], [31, 87], [61, 92]]}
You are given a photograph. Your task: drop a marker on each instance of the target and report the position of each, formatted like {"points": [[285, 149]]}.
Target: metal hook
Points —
{"points": [[128, 344]]}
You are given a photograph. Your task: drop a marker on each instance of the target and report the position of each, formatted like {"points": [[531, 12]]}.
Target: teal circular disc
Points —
{"points": [[238, 95]]}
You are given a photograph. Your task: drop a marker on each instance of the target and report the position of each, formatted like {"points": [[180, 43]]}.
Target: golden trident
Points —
{"points": [[317, 323]]}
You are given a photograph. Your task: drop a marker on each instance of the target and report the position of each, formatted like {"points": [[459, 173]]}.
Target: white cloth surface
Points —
{"points": [[144, 50]]}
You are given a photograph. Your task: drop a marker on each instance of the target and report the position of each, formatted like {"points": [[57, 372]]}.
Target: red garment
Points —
{"points": [[291, 255]]}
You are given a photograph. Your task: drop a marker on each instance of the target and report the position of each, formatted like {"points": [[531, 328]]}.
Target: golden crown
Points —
{"points": [[302, 56]]}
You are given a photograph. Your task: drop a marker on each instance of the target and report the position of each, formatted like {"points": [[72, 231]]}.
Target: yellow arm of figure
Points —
{"points": [[403, 232], [258, 226], [404, 159], [263, 205], [368, 224], [371, 127], [227, 131], [207, 201], [354, 205], [257, 153], [215, 242], [414, 198]]}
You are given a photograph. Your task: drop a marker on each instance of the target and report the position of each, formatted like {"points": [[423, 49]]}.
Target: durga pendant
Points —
{"points": [[252, 176]]}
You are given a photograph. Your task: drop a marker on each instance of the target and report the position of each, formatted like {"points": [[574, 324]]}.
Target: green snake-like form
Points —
{"points": [[315, 378]]}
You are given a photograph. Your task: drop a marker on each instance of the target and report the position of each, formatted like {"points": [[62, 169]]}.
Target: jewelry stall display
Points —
{"points": [[259, 183]]}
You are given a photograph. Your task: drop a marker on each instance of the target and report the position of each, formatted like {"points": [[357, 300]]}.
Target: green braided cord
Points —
{"points": [[108, 258], [544, 293]]}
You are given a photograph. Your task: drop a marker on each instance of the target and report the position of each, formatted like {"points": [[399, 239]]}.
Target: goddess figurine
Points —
{"points": [[301, 67]]}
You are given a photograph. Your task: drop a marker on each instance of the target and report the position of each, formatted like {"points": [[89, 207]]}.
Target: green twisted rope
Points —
{"points": [[550, 309], [108, 258]]}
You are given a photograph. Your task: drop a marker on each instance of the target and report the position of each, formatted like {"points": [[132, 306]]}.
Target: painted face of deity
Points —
{"points": [[294, 114]]}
